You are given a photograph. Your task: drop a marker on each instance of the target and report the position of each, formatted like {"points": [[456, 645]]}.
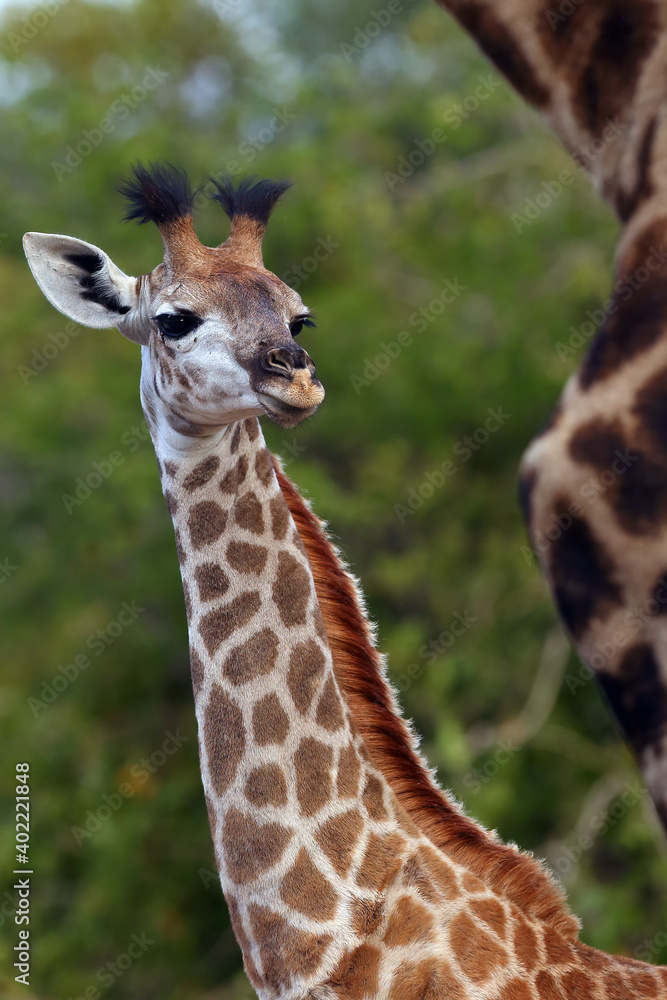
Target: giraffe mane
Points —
{"points": [[361, 674]]}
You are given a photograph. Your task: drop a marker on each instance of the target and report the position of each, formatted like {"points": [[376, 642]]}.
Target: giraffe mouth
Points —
{"points": [[283, 413]]}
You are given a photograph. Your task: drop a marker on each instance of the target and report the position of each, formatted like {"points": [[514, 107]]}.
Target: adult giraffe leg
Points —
{"points": [[594, 484]]}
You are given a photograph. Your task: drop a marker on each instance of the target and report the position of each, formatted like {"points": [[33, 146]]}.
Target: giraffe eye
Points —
{"points": [[177, 324], [297, 325]]}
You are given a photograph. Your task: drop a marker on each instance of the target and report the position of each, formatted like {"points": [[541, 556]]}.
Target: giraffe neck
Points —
{"points": [[293, 804]]}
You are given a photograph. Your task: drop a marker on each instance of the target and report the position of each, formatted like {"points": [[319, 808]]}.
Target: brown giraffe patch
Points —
{"points": [[312, 763], [224, 738], [381, 862], [440, 875], [242, 938], [306, 665], [625, 38], [251, 848], [187, 600], [263, 466], [212, 581], [247, 558], [206, 522], [280, 517], [525, 942], [270, 722], [234, 478], [248, 513], [471, 883], [496, 40], [476, 952], [251, 428], [420, 982], [558, 950], [357, 973], [305, 889], [338, 838], [218, 625], [637, 490], [291, 590], [171, 502], [196, 670], [651, 410], [349, 772], [583, 575], [578, 984], [637, 321], [180, 551], [409, 922], [201, 474], [518, 989], [170, 468], [627, 202], [547, 987], [253, 658], [236, 437], [638, 696], [373, 798], [285, 951], [491, 911], [212, 819], [367, 915], [266, 786], [330, 708]]}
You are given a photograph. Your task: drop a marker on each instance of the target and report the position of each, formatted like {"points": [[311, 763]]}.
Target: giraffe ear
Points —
{"points": [[82, 282]]}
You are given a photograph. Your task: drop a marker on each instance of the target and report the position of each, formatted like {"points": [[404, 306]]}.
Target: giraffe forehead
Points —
{"points": [[234, 290]]}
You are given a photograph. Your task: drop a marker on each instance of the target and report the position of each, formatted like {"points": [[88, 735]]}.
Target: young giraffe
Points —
{"points": [[347, 872], [594, 484]]}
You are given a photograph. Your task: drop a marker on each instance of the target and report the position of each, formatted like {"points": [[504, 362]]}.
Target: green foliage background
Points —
{"points": [[356, 110]]}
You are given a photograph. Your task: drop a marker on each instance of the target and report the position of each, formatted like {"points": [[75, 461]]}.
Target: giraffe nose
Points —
{"points": [[287, 360]]}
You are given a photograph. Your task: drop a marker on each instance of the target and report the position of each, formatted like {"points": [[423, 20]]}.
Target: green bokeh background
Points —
{"points": [[352, 103]]}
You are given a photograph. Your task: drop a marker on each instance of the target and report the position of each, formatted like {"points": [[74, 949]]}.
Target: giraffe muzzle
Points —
{"points": [[286, 386]]}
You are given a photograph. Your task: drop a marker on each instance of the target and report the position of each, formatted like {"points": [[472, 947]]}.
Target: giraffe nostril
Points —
{"points": [[286, 361], [278, 359]]}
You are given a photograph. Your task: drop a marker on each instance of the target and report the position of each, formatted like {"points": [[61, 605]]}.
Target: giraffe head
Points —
{"points": [[217, 328]]}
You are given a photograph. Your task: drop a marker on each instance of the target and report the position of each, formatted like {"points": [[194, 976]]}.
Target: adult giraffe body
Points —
{"points": [[596, 70]]}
